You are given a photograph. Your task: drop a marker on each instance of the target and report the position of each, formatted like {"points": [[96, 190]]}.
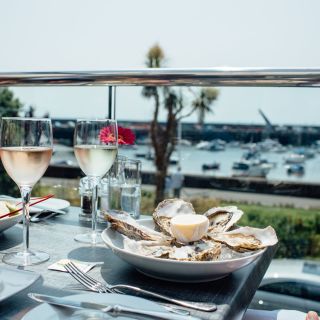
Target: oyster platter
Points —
{"points": [[178, 244]]}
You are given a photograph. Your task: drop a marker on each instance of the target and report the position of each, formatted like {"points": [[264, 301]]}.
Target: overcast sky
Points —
{"points": [[99, 34]]}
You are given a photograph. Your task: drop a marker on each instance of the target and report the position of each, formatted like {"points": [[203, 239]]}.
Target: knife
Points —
{"points": [[39, 206], [114, 310]]}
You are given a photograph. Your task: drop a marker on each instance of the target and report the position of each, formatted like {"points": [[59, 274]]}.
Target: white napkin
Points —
{"points": [[274, 315], [83, 266]]}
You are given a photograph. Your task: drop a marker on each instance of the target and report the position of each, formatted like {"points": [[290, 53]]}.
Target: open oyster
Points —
{"points": [[168, 209], [202, 251], [125, 224], [222, 218], [247, 238]]}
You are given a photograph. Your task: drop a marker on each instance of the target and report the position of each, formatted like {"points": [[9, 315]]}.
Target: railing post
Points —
{"points": [[112, 102]]}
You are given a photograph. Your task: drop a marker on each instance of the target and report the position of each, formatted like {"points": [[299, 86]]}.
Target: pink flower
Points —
{"points": [[125, 136]]}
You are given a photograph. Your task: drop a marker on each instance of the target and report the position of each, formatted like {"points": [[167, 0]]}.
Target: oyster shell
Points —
{"points": [[247, 238], [167, 209], [147, 248], [125, 224], [222, 218], [203, 251]]}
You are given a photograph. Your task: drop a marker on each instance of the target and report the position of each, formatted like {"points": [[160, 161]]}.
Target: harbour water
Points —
{"points": [[192, 160]]}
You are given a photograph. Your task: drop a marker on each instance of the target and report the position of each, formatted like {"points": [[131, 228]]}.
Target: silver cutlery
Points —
{"points": [[100, 287], [41, 207], [170, 308], [114, 310], [49, 214]]}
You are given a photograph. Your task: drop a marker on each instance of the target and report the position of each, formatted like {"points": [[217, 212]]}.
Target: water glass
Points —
{"points": [[116, 180], [131, 188]]}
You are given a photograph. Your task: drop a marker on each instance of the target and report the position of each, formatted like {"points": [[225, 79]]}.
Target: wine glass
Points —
{"points": [[95, 147], [25, 150]]}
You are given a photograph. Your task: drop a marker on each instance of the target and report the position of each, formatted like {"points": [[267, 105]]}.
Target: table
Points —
{"points": [[55, 236]]}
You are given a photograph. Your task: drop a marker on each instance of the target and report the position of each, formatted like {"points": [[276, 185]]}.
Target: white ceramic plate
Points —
{"points": [[172, 270], [13, 281], [48, 312], [52, 203], [8, 222]]}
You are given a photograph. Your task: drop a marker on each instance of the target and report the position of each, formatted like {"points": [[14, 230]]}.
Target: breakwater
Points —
{"points": [[240, 184]]}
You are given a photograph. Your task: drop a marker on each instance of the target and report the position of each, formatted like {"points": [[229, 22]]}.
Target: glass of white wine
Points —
{"points": [[95, 147], [25, 150]]}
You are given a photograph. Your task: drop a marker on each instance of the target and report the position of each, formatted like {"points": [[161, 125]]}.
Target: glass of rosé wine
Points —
{"points": [[95, 147], [25, 150]]}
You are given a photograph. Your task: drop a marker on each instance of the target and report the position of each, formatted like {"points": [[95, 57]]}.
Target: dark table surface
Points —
{"points": [[232, 294]]}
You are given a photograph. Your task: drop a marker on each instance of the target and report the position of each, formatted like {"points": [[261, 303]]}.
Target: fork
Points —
{"points": [[100, 287]]}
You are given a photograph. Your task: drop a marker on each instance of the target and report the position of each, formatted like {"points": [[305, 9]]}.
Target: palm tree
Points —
{"points": [[203, 103], [163, 136]]}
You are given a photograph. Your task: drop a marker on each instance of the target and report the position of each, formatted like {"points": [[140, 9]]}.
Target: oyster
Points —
{"points": [[247, 238], [168, 209], [222, 218], [147, 248], [203, 251], [125, 224]]}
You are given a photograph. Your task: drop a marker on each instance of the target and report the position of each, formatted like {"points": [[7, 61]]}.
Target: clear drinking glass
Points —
{"points": [[116, 180], [25, 150], [95, 147], [131, 188]]}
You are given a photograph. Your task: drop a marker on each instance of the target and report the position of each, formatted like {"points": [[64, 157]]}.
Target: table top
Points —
{"points": [[232, 294]]}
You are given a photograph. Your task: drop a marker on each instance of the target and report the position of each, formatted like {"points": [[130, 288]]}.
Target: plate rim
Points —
{"points": [[34, 209], [110, 244], [35, 275]]}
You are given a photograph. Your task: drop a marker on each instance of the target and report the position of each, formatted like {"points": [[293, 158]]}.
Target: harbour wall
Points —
{"points": [[240, 184]]}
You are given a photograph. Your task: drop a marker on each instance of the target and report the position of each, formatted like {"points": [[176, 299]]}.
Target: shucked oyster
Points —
{"points": [[168, 209], [247, 238], [123, 223], [222, 218], [202, 251]]}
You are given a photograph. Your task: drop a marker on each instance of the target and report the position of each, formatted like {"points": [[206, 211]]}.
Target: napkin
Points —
{"points": [[274, 315], [83, 266]]}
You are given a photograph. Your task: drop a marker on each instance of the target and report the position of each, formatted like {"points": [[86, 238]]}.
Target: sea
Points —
{"points": [[192, 160]]}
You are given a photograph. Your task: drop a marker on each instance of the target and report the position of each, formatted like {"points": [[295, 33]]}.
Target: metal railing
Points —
{"points": [[229, 77]]}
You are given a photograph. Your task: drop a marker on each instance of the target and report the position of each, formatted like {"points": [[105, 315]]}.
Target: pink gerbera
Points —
{"points": [[125, 136]]}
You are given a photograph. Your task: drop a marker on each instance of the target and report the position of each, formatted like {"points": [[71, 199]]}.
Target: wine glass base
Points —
{"points": [[90, 238], [23, 258]]}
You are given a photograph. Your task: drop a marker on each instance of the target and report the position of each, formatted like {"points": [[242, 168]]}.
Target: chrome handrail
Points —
{"points": [[229, 77]]}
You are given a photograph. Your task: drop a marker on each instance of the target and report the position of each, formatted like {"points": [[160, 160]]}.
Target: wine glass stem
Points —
{"points": [[25, 195], [94, 186]]}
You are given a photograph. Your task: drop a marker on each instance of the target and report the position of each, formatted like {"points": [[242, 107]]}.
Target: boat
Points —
{"points": [[203, 145], [214, 145], [296, 169], [307, 153], [249, 168], [294, 158], [185, 143], [211, 166]]}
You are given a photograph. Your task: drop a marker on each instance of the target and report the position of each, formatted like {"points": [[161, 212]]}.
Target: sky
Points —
{"points": [[42, 35]]}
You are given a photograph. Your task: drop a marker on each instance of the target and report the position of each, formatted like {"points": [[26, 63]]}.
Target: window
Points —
{"points": [[294, 288]]}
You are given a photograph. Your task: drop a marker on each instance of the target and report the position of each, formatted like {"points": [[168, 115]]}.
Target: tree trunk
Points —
{"points": [[160, 185]]}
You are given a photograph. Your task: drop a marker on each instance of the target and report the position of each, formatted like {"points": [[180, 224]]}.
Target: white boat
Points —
{"points": [[294, 159], [250, 169], [307, 153], [214, 145], [203, 145]]}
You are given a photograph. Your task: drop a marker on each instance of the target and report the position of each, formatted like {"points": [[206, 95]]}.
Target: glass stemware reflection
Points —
{"points": [[95, 147], [25, 150]]}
